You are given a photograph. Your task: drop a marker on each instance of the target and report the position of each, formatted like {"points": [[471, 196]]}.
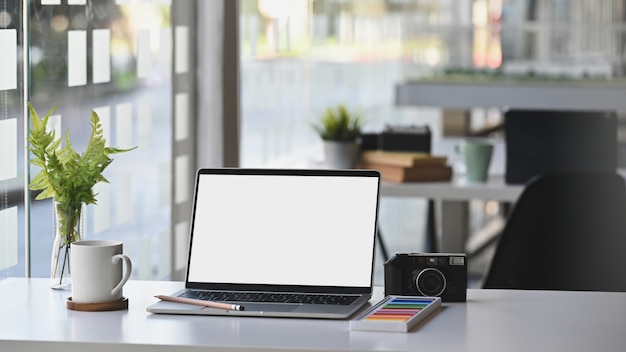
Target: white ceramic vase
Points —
{"points": [[340, 155]]}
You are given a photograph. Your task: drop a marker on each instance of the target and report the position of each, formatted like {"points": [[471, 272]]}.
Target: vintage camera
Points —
{"points": [[427, 274]]}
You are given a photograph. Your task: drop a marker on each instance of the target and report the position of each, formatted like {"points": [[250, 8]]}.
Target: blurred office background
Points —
{"points": [[238, 83]]}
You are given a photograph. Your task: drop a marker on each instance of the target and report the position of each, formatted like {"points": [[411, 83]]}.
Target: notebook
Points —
{"points": [[303, 238]]}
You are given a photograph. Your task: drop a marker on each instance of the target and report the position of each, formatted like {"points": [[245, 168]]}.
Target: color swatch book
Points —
{"points": [[396, 313]]}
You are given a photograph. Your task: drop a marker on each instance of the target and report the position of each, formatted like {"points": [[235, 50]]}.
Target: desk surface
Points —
{"points": [[459, 189], [33, 318], [456, 190]]}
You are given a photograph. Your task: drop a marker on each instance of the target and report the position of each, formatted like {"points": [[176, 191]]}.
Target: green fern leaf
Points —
{"points": [[66, 175]]}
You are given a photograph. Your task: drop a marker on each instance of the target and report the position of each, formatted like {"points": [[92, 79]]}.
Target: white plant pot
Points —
{"points": [[340, 155]]}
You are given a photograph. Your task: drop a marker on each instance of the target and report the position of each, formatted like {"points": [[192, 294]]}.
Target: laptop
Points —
{"points": [[281, 243]]}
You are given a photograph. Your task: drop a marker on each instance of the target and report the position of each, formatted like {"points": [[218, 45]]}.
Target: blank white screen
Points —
{"points": [[284, 230]]}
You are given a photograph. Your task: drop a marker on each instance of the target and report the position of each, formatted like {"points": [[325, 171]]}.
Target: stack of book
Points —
{"points": [[407, 166]]}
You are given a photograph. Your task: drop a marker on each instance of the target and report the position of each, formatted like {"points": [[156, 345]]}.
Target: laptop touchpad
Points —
{"points": [[265, 307]]}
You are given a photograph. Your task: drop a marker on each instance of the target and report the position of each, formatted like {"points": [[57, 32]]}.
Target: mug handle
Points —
{"points": [[129, 267]]}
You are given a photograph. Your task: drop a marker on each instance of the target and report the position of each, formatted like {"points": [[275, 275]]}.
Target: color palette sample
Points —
{"points": [[399, 309], [396, 313]]}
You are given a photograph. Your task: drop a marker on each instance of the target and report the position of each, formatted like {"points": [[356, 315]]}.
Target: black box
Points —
{"points": [[398, 138], [406, 139]]}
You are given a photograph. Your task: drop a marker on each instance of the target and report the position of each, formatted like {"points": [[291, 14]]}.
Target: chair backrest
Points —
{"points": [[565, 232], [545, 141]]}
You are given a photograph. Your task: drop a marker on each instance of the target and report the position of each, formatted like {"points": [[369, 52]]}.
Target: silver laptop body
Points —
{"points": [[281, 232]]}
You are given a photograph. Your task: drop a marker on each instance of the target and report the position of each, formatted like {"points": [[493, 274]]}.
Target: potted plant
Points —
{"points": [[340, 129], [68, 177]]}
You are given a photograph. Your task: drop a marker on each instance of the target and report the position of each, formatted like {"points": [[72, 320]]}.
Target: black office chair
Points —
{"points": [[566, 232], [540, 141]]}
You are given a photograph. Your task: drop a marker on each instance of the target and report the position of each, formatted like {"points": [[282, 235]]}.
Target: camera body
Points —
{"points": [[427, 274]]}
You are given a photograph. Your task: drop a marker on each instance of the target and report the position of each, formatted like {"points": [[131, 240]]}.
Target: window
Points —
{"points": [[132, 63], [299, 57], [12, 175]]}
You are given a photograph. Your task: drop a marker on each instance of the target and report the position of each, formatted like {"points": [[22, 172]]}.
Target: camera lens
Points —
{"points": [[430, 282]]}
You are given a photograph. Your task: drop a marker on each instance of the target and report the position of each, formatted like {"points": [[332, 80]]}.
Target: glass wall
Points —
{"points": [[12, 158], [114, 59], [131, 63], [300, 57]]}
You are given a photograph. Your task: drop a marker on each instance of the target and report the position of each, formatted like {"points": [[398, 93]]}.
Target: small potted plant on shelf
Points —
{"points": [[68, 178], [340, 129]]}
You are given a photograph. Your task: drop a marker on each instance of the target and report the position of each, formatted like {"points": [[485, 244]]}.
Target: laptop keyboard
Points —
{"points": [[266, 297]]}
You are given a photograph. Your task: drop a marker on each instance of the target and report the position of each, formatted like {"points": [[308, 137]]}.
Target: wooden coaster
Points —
{"points": [[120, 304]]}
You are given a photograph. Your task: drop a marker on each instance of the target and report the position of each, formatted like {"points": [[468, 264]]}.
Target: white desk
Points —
{"points": [[578, 95], [457, 190], [34, 318], [451, 198]]}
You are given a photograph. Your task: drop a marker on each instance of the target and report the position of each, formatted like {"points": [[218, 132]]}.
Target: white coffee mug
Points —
{"points": [[96, 269]]}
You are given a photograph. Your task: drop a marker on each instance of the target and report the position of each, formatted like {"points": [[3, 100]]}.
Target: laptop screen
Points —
{"points": [[284, 227]]}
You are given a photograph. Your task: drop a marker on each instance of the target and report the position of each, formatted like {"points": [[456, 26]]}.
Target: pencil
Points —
{"points": [[199, 302]]}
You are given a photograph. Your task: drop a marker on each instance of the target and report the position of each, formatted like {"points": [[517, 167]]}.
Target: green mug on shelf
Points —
{"points": [[476, 154]]}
